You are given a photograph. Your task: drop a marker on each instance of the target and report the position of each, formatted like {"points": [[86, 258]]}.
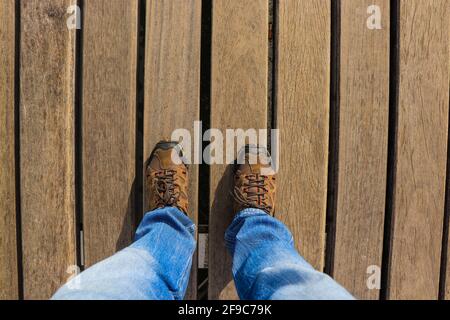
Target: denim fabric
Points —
{"points": [[266, 265], [157, 265]]}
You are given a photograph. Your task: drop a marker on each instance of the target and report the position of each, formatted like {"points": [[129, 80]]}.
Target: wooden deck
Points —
{"points": [[363, 115]]}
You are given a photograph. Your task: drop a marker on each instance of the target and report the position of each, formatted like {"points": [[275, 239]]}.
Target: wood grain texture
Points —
{"points": [[446, 292], [8, 245], [302, 95], [421, 149], [109, 126], [238, 100], [363, 145], [172, 84], [47, 146]]}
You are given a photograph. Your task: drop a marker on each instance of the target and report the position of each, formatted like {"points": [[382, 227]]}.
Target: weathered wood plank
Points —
{"points": [[446, 293], [8, 246], [238, 100], [302, 95], [421, 149], [363, 140], [47, 146], [109, 126], [172, 84]]}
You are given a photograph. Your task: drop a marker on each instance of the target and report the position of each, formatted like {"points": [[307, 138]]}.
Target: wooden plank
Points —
{"points": [[8, 247], [446, 292], [47, 146], [238, 100], [421, 149], [302, 95], [172, 84], [363, 140], [109, 126]]}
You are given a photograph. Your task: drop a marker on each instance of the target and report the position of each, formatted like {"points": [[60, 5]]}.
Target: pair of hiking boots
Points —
{"points": [[167, 179]]}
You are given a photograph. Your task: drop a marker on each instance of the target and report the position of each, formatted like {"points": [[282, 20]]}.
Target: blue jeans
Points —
{"points": [[157, 266]]}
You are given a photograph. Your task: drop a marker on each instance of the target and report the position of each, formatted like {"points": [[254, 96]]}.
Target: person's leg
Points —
{"points": [[158, 264], [156, 267], [265, 262], [266, 265]]}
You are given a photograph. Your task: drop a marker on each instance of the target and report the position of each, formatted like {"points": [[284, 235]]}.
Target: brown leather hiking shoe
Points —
{"points": [[167, 177], [254, 181]]}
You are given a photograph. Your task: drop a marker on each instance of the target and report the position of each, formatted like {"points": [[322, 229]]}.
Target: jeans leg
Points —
{"points": [[266, 265], [156, 267]]}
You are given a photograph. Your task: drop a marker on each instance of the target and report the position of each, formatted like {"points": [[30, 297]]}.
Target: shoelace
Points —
{"points": [[255, 199], [166, 188]]}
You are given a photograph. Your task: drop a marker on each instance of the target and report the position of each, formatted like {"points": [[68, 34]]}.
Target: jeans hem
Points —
{"points": [[230, 236], [184, 219]]}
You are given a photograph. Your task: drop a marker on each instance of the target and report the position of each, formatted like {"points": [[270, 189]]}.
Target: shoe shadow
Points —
{"points": [[131, 219], [221, 284]]}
